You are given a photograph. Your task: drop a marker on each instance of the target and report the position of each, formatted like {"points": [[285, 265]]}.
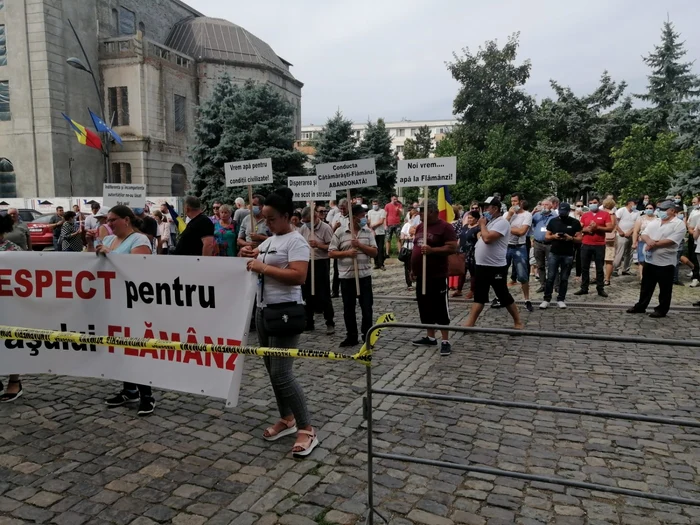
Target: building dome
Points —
{"points": [[217, 40]]}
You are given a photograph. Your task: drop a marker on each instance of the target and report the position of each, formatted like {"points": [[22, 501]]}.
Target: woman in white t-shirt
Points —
{"points": [[127, 239], [282, 262], [406, 239]]}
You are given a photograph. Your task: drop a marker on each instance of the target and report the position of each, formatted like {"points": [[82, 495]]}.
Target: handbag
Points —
{"points": [[282, 319], [405, 254], [456, 265]]}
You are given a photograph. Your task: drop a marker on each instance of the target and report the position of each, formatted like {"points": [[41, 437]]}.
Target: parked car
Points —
{"points": [[40, 232], [25, 214]]}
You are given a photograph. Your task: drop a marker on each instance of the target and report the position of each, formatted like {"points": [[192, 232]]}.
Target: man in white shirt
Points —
{"points": [[662, 238], [91, 222], [517, 255], [491, 270], [332, 212], [376, 219], [626, 219], [693, 223]]}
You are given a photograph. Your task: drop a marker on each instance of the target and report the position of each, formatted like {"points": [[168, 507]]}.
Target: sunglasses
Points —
{"points": [[322, 211]]}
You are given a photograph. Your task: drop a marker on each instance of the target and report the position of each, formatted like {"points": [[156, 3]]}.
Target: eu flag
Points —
{"points": [[101, 127]]}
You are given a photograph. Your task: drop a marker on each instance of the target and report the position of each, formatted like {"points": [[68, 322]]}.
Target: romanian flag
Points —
{"points": [[179, 221], [85, 136], [444, 201]]}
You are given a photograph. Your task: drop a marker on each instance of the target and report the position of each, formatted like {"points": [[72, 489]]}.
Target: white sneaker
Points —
{"points": [[561, 304], [690, 274], [694, 283], [544, 305]]}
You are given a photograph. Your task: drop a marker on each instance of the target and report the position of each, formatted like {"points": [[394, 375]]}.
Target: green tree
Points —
{"points": [[578, 132], [645, 164], [376, 143], [337, 142], [242, 123], [671, 81], [421, 147], [491, 90]]}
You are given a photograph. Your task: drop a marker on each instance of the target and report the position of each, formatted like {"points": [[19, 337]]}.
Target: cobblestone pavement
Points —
{"points": [[67, 459]]}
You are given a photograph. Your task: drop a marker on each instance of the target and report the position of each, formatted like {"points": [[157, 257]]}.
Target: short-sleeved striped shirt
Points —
{"points": [[341, 242]]}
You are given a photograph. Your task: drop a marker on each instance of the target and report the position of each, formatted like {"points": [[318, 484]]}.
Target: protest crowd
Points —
{"points": [[491, 244]]}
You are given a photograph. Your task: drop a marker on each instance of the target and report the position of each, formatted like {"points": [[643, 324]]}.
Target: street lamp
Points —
{"points": [[78, 64]]}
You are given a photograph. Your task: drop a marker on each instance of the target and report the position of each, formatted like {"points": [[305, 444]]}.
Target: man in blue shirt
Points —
{"points": [[540, 220]]}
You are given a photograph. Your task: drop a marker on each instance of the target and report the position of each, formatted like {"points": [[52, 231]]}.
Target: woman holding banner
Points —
{"points": [[127, 239], [281, 263], [14, 385]]}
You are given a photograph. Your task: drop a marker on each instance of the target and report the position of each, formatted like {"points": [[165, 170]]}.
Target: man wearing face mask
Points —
{"points": [[355, 242], [319, 242], [540, 220], [693, 223], [662, 238], [626, 219], [563, 232], [596, 223], [517, 255], [260, 232], [376, 218]]}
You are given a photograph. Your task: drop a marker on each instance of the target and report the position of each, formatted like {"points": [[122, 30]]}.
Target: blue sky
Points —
{"points": [[386, 58]]}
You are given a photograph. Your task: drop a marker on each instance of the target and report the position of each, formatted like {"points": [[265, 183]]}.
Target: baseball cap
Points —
{"points": [[564, 207], [667, 205], [492, 201]]}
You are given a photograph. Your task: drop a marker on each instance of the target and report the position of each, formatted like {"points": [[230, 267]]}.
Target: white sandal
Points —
{"points": [[307, 444], [274, 435]]}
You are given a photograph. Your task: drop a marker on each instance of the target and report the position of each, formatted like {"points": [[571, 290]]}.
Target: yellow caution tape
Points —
{"points": [[366, 351], [30, 334]]}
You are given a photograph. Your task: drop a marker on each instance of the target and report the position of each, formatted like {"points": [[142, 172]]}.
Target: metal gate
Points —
{"points": [[367, 409]]}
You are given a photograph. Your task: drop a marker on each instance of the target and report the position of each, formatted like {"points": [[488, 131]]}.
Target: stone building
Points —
{"points": [[154, 63]]}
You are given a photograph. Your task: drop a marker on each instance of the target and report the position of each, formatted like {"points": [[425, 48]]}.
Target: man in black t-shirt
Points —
{"points": [[198, 238], [149, 227], [562, 232]]}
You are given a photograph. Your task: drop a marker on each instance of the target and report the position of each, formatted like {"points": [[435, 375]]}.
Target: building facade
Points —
{"points": [[399, 132], [154, 63]]}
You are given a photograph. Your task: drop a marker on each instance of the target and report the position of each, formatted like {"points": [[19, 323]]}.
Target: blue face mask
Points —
{"points": [[363, 222], [663, 215], [137, 211], [593, 207], [488, 216], [649, 212], [256, 210]]}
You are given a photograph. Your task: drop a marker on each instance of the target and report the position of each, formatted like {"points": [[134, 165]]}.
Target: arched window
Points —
{"points": [[178, 180], [8, 179], [115, 22], [142, 28]]}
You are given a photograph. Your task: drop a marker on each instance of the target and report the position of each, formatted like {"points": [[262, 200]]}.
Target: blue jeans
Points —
{"points": [[558, 264], [518, 256]]}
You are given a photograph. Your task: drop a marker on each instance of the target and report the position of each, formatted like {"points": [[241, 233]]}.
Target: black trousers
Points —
{"points": [[322, 300], [693, 257], [381, 248], [350, 299], [588, 254], [651, 276], [577, 258], [336, 279]]}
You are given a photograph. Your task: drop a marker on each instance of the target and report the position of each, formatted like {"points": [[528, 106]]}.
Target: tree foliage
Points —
{"points": [[645, 164], [421, 147], [242, 123], [376, 143], [337, 141]]}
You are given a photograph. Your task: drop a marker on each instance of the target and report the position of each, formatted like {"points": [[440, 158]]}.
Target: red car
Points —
{"points": [[40, 232]]}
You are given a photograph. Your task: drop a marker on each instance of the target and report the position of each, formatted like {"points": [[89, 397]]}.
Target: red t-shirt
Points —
{"points": [[393, 214], [601, 218], [439, 234]]}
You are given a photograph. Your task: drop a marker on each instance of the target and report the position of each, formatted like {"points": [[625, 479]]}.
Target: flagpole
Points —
{"points": [[105, 138]]}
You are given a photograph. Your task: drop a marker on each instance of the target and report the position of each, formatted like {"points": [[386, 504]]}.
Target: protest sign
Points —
{"points": [[248, 173], [306, 189], [131, 195], [187, 299], [345, 175], [438, 171]]}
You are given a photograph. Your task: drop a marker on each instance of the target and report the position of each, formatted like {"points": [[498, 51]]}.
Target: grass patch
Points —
{"points": [[321, 518]]}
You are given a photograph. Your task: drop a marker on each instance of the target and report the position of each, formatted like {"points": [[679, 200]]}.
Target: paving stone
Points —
{"points": [[293, 519], [188, 519], [160, 513], [342, 518]]}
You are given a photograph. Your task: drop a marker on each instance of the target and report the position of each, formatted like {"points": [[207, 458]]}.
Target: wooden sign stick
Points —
{"points": [[354, 236]]}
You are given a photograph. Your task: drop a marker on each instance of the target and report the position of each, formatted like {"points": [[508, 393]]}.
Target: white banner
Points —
{"points": [[344, 175], [188, 299], [6, 204], [131, 195], [85, 203], [48, 206], [248, 173], [438, 171], [306, 189]]}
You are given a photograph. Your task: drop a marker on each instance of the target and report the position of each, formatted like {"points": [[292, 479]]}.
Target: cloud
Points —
{"points": [[386, 58]]}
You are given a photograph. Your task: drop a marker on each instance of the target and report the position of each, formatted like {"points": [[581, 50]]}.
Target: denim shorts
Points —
{"points": [[518, 257]]}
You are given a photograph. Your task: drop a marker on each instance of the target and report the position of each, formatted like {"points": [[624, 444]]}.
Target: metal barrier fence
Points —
{"points": [[371, 454]]}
